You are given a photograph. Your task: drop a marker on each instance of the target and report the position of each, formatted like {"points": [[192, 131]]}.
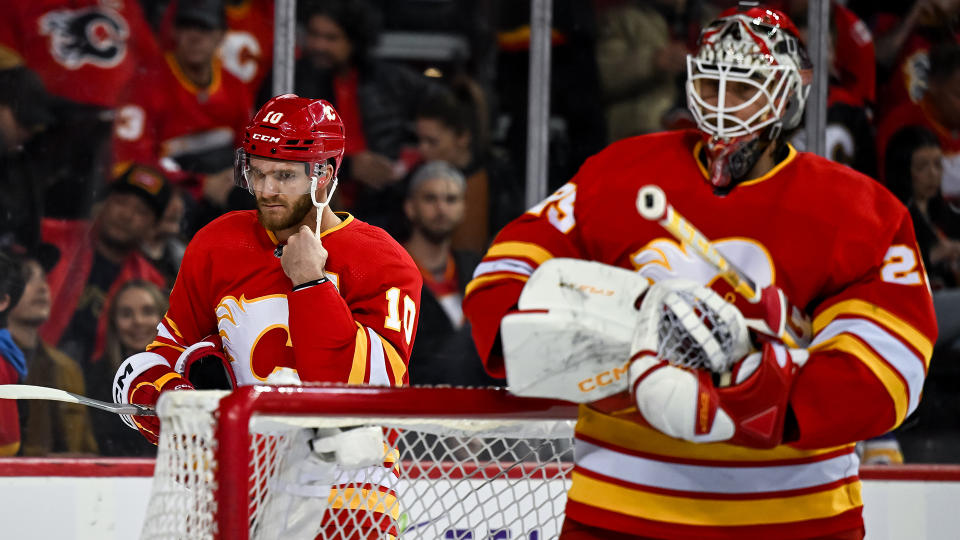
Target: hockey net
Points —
{"points": [[268, 462]]}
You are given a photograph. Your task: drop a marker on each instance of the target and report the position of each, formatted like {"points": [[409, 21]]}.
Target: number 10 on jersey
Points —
{"points": [[393, 321]]}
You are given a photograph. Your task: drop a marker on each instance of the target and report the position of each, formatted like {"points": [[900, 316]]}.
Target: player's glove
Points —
{"points": [[154, 381], [693, 375], [687, 404], [206, 366], [768, 315]]}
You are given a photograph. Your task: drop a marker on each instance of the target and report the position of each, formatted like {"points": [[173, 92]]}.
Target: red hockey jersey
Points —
{"points": [[360, 330], [84, 50], [839, 245], [164, 115]]}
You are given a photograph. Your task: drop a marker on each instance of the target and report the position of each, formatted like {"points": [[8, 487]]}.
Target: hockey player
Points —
{"points": [[653, 462], [289, 285]]}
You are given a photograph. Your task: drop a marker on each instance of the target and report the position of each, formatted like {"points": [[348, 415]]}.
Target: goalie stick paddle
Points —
{"points": [[652, 205], [27, 391]]}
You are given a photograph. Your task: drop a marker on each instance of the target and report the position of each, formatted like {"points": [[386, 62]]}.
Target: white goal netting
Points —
{"points": [[359, 463]]}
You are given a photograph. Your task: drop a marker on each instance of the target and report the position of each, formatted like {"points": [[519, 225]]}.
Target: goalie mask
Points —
{"points": [[746, 85], [292, 128]]}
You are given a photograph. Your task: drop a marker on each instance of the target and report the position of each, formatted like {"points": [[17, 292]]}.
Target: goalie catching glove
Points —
{"points": [[141, 379], [692, 377]]}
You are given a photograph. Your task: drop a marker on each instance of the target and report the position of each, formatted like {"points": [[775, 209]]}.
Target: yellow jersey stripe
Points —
{"points": [[526, 250], [706, 511], [888, 376], [173, 326], [881, 316], [396, 363], [358, 371], [10, 449], [483, 280], [157, 344], [364, 499], [631, 436]]}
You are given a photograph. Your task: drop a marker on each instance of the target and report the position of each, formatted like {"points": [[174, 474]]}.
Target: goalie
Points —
{"points": [[724, 428], [291, 286]]}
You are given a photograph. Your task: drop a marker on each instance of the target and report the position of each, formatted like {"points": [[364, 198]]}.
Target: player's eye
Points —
{"points": [[285, 176]]}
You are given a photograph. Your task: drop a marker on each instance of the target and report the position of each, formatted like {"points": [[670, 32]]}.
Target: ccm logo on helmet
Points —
{"points": [[265, 138]]}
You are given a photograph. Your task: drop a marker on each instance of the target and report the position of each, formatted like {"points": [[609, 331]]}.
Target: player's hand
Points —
{"points": [[687, 403], [147, 394], [304, 257], [766, 316]]}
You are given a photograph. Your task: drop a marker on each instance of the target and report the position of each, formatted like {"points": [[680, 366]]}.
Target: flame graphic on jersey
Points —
{"points": [[255, 335], [667, 259]]}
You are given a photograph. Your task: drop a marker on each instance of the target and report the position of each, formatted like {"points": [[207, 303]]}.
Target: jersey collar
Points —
{"points": [[345, 219], [791, 154]]}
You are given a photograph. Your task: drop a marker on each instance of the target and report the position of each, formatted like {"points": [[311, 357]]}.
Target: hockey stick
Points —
{"points": [[652, 205], [27, 391]]}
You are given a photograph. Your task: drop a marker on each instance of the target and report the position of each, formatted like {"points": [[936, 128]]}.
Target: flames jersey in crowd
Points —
{"points": [[247, 48], [839, 245], [84, 50], [359, 329], [164, 115]]}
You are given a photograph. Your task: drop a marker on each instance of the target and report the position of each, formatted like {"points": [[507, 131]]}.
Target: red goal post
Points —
{"points": [[467, 462]]}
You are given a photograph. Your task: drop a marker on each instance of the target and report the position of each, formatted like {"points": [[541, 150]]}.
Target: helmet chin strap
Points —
{"points": [[314, 180]]}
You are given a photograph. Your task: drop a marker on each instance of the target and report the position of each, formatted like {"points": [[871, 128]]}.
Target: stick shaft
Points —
{"points": [[652, 204], [27, 391]]}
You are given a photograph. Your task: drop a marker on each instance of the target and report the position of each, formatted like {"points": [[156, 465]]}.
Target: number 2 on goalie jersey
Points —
{"points": [[392, 320]]}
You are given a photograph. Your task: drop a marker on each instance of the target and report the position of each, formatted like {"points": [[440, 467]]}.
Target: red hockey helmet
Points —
{"points": [[292, 128]]}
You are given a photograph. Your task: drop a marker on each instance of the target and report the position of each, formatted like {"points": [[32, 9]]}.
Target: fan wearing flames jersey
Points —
{"points": [[651, 462], [288, 285]]}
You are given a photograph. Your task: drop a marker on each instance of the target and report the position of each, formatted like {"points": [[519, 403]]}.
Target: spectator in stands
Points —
{"points": [[375, 99], [639, 62], [451, 127], [247, 48], [24, 111], [13, 365], [134, 314], [98, 256], [938, 111], [166, 245], [189, 112], [904, 43], [49, 427], [435, 206], [86, 52], [914, 172]]}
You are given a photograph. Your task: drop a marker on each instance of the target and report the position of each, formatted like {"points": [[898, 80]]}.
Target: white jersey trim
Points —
{"points": [[737, 478], [515, 266], [378, 360]]}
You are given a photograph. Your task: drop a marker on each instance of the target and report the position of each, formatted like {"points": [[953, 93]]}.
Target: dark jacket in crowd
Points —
{"points": [[443, 354]]}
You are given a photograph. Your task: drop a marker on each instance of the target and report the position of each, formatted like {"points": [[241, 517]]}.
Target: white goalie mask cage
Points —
{"points": [[757, 55]]}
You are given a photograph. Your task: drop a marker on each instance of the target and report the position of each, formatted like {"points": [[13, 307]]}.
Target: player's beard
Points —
{"points": [[295, 214], [436, 232]]}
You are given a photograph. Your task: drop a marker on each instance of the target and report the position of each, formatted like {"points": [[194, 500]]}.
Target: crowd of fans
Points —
{"points": [[119, 120]]}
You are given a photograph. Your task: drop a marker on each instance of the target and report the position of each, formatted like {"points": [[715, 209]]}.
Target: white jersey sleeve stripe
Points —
{"points": [[515, 266], [378, 361]]}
